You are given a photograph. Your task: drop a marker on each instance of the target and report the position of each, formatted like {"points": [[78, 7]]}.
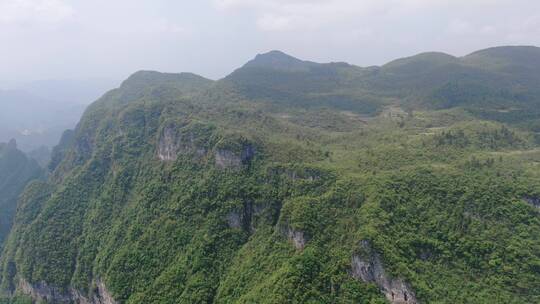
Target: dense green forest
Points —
{"points": [[16, 170], [294, 182]]}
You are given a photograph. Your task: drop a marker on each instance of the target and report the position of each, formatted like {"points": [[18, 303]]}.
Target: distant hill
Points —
{"points": [[506, 59], [496, 78], [283, 79], [34, 121], [503, 78], [37, 113], [68, 91]]}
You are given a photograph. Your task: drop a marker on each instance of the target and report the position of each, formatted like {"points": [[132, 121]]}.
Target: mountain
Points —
{"points": [[16, 170], [68, 91], [290, 181], [500, 83], [36, 113], [33, 121], [507, 59], [287, 81], [279, 61]]}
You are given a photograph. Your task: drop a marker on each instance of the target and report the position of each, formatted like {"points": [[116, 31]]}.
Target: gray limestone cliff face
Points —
{"points": [[235, 219], [297, 238], [248, 216], [228, 159], [197, 141], [368, 267], [167, 145], [295, 174], [172, 143], [42, 292], [532, 200]]}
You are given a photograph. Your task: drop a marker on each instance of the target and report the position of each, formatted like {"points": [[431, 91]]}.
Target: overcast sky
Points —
{"points": [[60, 39]]}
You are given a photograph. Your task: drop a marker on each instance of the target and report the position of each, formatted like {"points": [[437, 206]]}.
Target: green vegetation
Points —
{"points": [[15, 171], [260, 188], [16, 300]]}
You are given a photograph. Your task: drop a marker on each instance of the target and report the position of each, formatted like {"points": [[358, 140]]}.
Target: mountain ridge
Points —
{"points": [[507, 50], [265, 189]]}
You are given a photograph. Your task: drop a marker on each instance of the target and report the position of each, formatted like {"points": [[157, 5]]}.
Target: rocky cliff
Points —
{"points": [[367, 266], [42, 292]]}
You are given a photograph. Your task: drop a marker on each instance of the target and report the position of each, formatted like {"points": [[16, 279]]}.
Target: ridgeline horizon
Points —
{"points": [[290, 181], [278, 57]]}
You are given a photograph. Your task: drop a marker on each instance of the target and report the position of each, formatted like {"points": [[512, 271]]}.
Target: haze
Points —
{"points": [[62, 39], [57, 56]]}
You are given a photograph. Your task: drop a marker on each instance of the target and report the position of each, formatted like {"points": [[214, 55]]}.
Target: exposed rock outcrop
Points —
{"points": [[308, 174], [248, 216], [173, 142], [231, 159], [197, 141], [532, 200], [234, 219], [227, 159], [42, 292], [297, 238], [367, 266]]}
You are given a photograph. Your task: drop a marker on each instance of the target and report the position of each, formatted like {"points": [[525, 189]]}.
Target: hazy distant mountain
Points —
{"points": [[37, 113], [69, 91], [34, 121]]}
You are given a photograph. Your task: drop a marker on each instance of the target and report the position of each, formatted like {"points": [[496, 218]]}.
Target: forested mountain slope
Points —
{"points": [[499, 83], [16, 170], [292, 182]]}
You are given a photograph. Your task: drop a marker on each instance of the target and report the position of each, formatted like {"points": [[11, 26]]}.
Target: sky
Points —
{"points": [[75, 39]]}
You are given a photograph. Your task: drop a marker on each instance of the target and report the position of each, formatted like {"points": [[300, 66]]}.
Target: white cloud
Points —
{"points": [[460, 27], [34, 11], [91, 37], [167, 26], [232, 4], [271, 22], [302, 14], [282, 15]]}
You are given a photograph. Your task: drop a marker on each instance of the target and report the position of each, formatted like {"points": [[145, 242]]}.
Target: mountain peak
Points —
{"points": [[278, 60], [275, 53]]}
